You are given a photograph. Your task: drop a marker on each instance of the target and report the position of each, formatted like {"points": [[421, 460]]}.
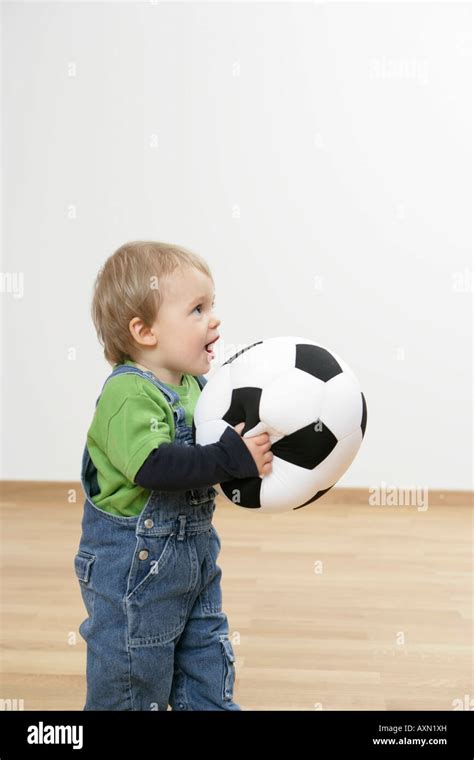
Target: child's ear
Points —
{"points": [[143, 334]]}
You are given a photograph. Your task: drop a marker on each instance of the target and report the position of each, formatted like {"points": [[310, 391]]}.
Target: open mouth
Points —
{"points": [[209, 347]]}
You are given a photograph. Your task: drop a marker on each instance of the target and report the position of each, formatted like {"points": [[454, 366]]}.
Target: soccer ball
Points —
{"points": [[309, 402]]}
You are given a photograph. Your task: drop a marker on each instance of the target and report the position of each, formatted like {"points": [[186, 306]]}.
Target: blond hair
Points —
{"points": [[131, 284]]}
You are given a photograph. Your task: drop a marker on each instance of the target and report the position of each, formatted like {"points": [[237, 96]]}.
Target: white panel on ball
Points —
{"points": [[215, 397], [260, 364], [281, 406], [342, 406]]}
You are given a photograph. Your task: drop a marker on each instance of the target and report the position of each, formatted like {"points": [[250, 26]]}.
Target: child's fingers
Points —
{"points": [[262, 439]]}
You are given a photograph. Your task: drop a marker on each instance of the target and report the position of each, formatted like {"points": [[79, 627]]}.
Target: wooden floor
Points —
{"points": [[337, 606]]}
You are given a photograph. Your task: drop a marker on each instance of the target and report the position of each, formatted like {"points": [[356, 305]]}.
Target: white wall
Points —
{"points": [[319, 158]]}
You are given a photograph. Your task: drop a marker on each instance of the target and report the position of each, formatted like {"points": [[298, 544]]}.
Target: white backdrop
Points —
{"points": [[317, 155]]}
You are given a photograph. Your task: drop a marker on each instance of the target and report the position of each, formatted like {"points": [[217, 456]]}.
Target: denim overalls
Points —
{"points": [[156, 634]]}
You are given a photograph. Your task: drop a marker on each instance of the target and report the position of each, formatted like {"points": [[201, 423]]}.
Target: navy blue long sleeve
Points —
{"points": [[173, 467]]}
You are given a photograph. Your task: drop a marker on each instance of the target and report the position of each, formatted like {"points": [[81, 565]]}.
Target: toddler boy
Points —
{"points": [[155, 630]]}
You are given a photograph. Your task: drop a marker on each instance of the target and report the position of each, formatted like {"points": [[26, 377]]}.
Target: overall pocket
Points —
{"points": [[159, 586], [149, 561], [83, 563], [229, 669], [211, 593]]}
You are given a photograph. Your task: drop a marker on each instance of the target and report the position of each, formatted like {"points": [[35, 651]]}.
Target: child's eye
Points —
{"points": [[200, 305]]}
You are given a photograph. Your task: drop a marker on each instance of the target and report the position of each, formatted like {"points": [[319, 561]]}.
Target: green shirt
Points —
{"points": [[132, 418]]}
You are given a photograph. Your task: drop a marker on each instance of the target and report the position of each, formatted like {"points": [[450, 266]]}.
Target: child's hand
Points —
{"points": [[259, 446]]}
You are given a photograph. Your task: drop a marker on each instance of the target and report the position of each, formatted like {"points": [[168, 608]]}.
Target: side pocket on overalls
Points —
{"points": [[83, 562], [229, 669], [211, 595]]}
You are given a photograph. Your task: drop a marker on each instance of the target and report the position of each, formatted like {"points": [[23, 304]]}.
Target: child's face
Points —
{"points": [[185, 324]]}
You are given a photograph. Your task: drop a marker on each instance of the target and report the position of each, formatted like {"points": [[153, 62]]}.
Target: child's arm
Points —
{"points": [[174, 467]]}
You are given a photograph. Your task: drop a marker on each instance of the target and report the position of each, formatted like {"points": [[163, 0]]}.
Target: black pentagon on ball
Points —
{"points": [[244, 407], [317, 495], [363, 423], [316, 361], [307, 447], [243, 491]]}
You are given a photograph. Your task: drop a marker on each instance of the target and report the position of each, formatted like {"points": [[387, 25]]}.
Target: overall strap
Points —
{"points": [[201, 380], [128, 369]]}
